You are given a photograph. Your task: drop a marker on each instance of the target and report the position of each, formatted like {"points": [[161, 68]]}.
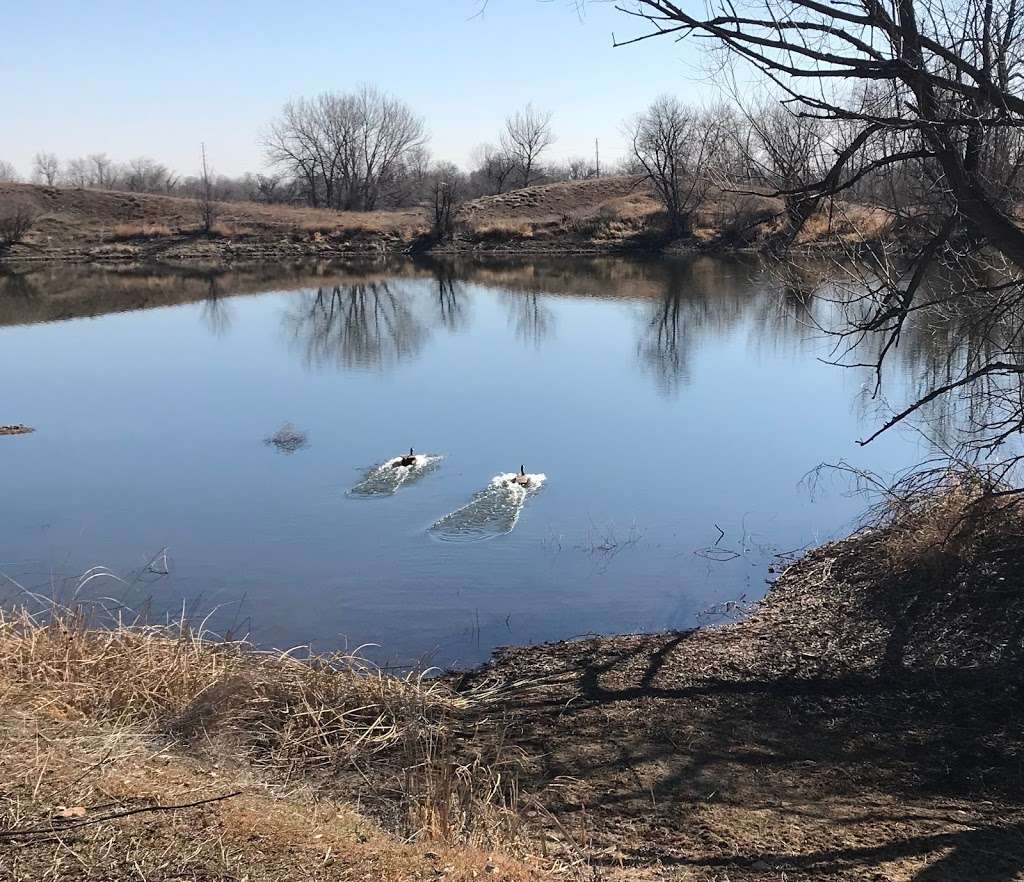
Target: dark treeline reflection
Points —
{"points": [[355, 326], [530, 317], [217, 315], [343, 317]]}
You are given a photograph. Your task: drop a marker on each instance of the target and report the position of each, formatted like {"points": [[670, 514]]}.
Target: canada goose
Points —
{"points": [[405, 461], [522, 479]]}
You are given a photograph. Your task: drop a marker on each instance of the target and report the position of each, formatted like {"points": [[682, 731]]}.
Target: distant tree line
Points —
{"points": [[365, 150]]}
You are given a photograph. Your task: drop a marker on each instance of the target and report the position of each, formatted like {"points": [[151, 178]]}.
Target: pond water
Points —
{"points": [[668, 409]]}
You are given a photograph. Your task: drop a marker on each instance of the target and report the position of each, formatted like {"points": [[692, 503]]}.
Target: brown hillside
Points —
{"points": [[603, 215], [106, 224], [551, 201]]}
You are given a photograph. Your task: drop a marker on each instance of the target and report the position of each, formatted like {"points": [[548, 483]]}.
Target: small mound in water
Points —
{"points": [[16, 430], [494, 511], [386, 478], [287, 439]]}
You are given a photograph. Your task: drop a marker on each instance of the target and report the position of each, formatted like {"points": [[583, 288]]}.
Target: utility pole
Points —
{"points": [[597, 158]]}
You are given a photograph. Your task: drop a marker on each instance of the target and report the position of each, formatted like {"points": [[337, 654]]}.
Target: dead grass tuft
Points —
{"points": [[936, 524], [127, 231], [292, 717]]}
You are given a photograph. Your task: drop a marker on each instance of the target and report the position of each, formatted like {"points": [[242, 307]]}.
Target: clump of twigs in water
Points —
{"points": [[606, 540], [288, 439], [606, 543], [729, 609]]}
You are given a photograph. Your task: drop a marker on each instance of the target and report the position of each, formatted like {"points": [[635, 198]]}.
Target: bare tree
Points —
{"points": [[348, 149], [672, 143], [493, 167], [297, 143], [104, 171], [8, 173], [207, 206], [445, 194], [77, 173], [927, 95], [145, 175], [786, 152], [526, 136], [46, 168]]}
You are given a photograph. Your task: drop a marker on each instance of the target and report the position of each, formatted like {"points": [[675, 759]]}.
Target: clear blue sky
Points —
{"points": [[156, 78]]}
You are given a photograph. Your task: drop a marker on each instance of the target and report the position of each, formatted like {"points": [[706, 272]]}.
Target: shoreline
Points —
{"points": [[607, 216], [227, 254], [857, 723]]}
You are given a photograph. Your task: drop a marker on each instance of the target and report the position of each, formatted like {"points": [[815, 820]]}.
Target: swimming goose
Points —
{"points": [[522, 479], [405, 460]]}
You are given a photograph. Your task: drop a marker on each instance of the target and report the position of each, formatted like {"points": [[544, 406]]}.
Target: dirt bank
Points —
{"points": [[600, 216], [862, 723]]}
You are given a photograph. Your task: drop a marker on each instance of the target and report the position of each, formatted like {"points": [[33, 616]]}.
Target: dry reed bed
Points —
{"points": [[430, 759]]}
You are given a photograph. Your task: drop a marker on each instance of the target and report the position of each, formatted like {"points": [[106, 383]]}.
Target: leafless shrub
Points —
{"points": [[935, 521], [738, 216], [445, 196], [492, 169], [15, 224]]}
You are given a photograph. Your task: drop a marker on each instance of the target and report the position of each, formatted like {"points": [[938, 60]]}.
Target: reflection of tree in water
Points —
{"points": [[355, 326], [451, 301], [216, 313], [958, 333], [697, 297], [16, 285], [662, 348], [529, 315]]}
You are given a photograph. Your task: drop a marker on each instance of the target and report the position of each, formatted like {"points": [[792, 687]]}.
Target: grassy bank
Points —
{"points": [[134, 752], [605, 215], [862, 722]]}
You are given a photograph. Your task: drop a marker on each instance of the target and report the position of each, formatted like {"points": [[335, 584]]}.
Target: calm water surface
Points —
{"points": [[664, 401]]}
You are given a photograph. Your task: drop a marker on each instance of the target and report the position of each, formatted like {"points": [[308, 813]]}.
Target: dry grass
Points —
{"points": [[108, 805], [141, 752], [934, 525], [609, 213], [122, 232], [296, 719], [96, 222]]}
